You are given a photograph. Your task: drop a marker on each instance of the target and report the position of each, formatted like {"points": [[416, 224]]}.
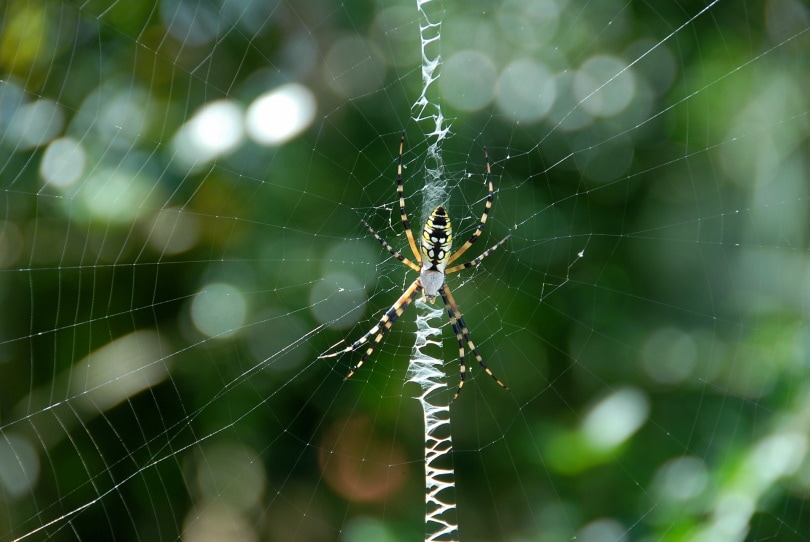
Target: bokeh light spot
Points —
{"points": [[190, 22], [217, 522], [730, 518], [172, 231], [231, 472], [219, 310], [35, 124], [669, 355], [567, 114], [778, 455], [216, 129], [682, 478], [615, 418], [281, 114], [63, 162], [364, 528], [359, 464], [119, 370], [19, 465], [115, 195], [605, 162], [250, 15], [395, 29], [353, 67], [528, 24], [357, 258], [468, 80], [604, 85], [602, 530], [275, 340], [526, 90], [338, 300], [11, 247]]}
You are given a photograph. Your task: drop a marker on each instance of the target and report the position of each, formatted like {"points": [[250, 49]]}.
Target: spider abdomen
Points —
{"points": [[437, 237]]}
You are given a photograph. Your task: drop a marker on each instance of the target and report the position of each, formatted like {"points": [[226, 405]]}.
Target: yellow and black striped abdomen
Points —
{"points": [[437, 237]]}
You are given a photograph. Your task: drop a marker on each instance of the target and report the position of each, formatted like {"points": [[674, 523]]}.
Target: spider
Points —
{"points": [[431, 262]]}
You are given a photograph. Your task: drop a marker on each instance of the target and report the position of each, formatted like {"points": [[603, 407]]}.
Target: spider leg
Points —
{"points": [[460, 337], [480, 229], [379, 331], [463, 334], [403, 215], [476, 261], [391, 249]]}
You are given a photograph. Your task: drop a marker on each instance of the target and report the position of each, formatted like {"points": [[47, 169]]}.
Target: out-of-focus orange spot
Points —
{"points": [[359, 465]]}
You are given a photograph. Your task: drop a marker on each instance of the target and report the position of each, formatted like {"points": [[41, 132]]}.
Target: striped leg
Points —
{"points": [[376, 334], [403, 215], [476, 261], [480, 229], [391, 249], [463, 334]]}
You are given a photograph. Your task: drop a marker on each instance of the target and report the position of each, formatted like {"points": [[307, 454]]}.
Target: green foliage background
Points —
{"points": [[689, 304]]}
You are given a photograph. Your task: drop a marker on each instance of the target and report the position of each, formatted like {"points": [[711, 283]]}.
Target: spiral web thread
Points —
{"points": [[440, 505]]}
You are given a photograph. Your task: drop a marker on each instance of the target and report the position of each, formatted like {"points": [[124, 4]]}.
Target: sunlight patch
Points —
{"points": [[277, 116], [219, 310]]}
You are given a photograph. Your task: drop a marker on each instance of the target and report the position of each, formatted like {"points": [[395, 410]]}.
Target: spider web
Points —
{"points": [[183, 190]]}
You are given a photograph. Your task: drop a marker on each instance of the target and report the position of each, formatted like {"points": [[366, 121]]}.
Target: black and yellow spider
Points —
{"points": [[437, 237]]}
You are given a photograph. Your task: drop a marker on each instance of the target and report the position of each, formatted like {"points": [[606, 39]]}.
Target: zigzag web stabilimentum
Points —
{"points": [[424, 368]]}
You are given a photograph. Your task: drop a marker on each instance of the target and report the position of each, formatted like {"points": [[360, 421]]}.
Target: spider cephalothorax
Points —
{"points": [[433, 256]]}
